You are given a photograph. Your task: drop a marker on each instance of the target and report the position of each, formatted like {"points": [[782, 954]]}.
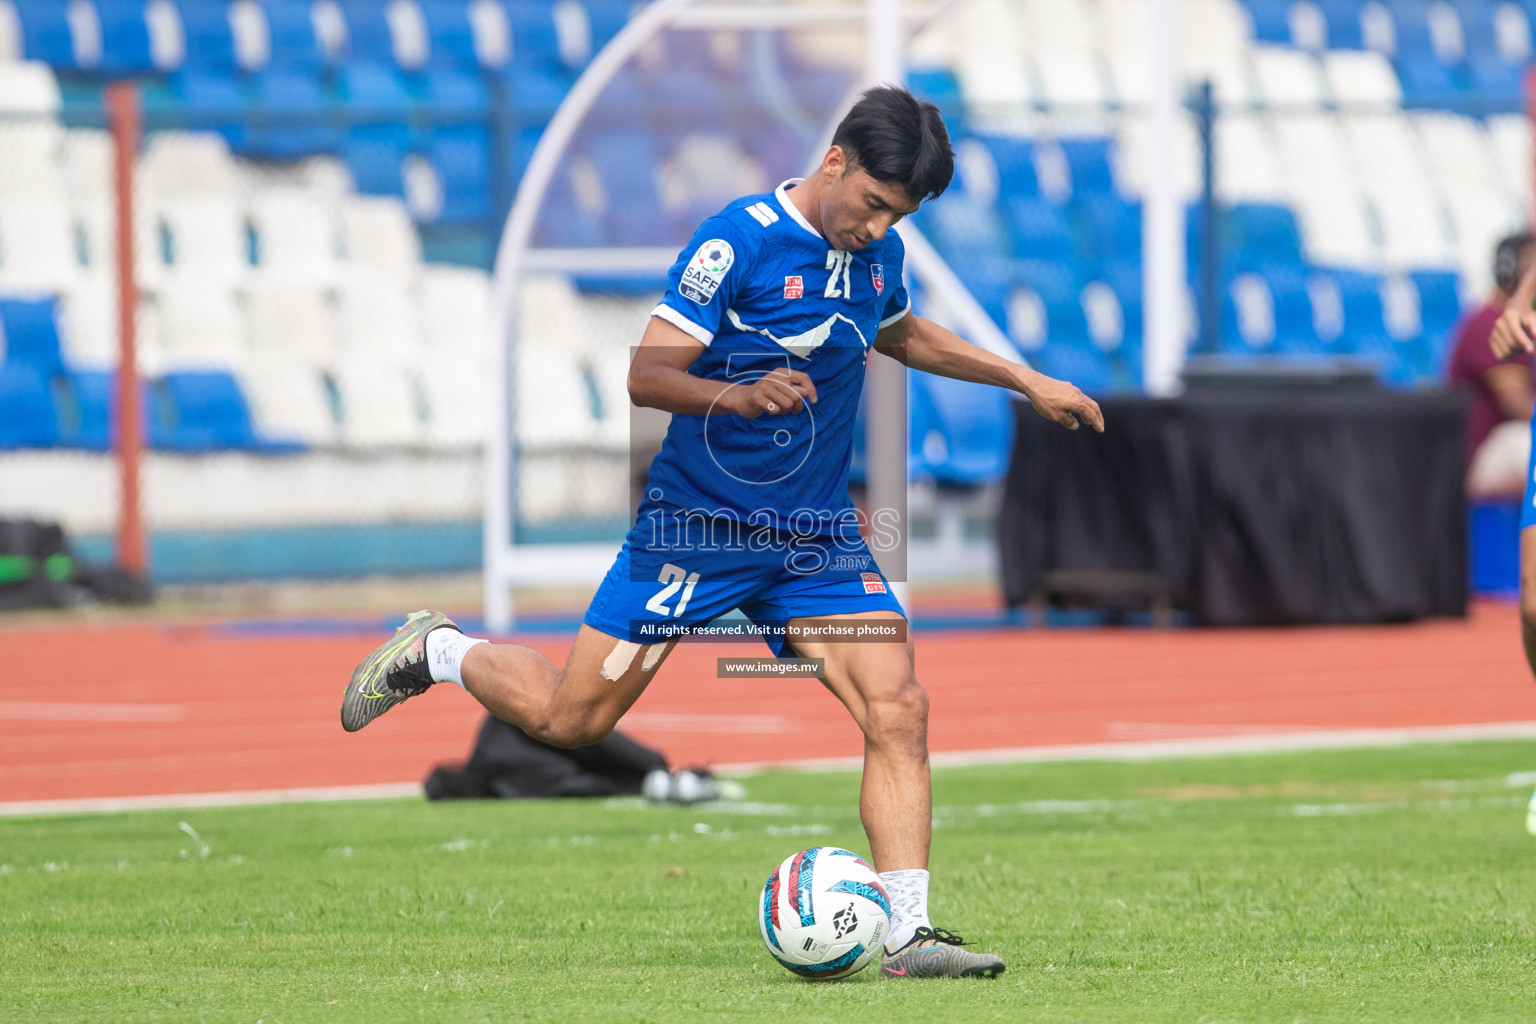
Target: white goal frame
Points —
{"points": [[508, 564]]}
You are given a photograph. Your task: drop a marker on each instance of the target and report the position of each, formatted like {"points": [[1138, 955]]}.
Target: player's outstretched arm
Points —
{"points": [[1515, 330], [924, 345], [659, 379]]}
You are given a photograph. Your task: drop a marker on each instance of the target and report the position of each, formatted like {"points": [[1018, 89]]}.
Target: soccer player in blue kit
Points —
{"points": [[758, 351]]}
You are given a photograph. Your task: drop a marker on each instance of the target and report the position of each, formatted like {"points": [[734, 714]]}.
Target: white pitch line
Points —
{"points": [[61, 711], [177, 801], [1215, 746]]}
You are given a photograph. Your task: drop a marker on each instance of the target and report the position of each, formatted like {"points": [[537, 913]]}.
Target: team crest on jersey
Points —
{"points": [[877, 275], [706, 270], [873, 584], [794, 286]]}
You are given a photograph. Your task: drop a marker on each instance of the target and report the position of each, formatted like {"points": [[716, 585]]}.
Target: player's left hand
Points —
{"points": [[1060, 401], [1515, 332]]}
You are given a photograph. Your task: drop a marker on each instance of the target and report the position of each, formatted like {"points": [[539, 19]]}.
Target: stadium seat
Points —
{"points": [[1497, 85], [295, 236], [533, 92], [87, 419], [1426, 82], [409, 36], [28, 416], [1271, 20], [376, 166], [965, 230], [535, 43], [380, 405], [1071, 79], [1361, 301], [209, 38], [88, 325], [293, 116], [45, 33], [200, 327], [124, 37], [369, 39], [940, 86], [1015, 160], [211, 101], [554, 405], [29, 334], [200, 411], [1343, 20], [376, 235], [1040, 230], [289, 401], [376, 106], [1089, 160], [1082, 365], [377, 320], [37, 245], [1113, 226], [1263, 233], [996, 80], [293, 320], [605, 18], [461, 155], [975, 425], [293, 42], [1361, 78], [452, 94], [492, 28], [455, 309], [205, 240], [450, 33], [1247, 165], [1287, 78], [458, 403]]}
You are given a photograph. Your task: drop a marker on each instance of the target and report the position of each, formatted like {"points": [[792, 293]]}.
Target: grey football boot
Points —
{"points": [[395, 671], [936, 953]]}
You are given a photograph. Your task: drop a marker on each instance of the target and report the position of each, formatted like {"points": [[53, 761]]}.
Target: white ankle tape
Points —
{"points": [[446, 648]]}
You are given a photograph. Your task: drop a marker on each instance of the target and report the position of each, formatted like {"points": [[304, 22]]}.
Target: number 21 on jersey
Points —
{"points": [[676, 578], [838, 284]]}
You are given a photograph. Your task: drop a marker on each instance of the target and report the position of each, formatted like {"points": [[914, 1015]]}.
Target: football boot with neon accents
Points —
{"points": [[395, 671], [936, 953]]}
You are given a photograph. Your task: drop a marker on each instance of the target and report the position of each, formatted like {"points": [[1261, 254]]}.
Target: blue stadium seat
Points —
{"points": [[1089, 160], [625, 161], [1015, 160], [124, 36], [942, 88], [607, 17], [682, 100], [45, 34], [377, 108], [1040, 230], [293, 115], [1426, 82], [1360, 295], [1295, 329], [31, 334], [291, 30], [1343, 20], [462, 156], [452, 94], [1410, 21], [535, 43], [1113, 227], [1439, 309], [966, 230], [1497, 86], [368, 36], [211, 101], [375, 164], [1271, 20], [1263, 233], [210, 42], [91, 398], [1060, 294], [201, 411], [534, 92], [449, 31], [1479, 32], [971, 435], [28, 417], [1082, 365]]}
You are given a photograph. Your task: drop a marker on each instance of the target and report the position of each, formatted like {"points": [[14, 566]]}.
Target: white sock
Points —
{"points": [[908, 891], [446, 648]]}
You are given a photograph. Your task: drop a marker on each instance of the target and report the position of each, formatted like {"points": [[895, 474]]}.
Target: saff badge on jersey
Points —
{"points": [[877, 275], [706, 270]]}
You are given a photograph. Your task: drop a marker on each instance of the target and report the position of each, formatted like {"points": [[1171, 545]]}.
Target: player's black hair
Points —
{"points": [[1507, 260], [894, 136]]}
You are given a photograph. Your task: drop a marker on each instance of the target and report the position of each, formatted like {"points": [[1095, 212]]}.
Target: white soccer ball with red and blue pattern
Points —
{"points": [[824, 913]]}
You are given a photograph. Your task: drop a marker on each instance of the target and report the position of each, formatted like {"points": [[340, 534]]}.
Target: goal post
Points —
{"points": [[512, 559]]}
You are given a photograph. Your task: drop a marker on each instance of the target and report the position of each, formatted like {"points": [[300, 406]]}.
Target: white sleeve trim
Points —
{"points": [[683, 324], [896, 316]]}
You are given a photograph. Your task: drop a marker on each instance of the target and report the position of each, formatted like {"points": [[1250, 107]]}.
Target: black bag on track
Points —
{"points": [[509, 763]]}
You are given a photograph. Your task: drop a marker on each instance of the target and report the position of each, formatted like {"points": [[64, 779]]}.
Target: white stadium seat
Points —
{"points": [[376, 318], [549, 312], [200, 325], [28, 87], [1071, 79], [455, 309], [380, 404], [554, 405], [1288, 78], [376, 235], [1361, 78], [610, 372], [187, 165], [1412, 232], [458, 399], [292, 319], [1480, 219], [30, 151], [1509, 136], [289, 401], [205, 241], [1334, 228], [1456, 153], [295, 236], [88, 325], [37, 245], [1247, 165], [1134, 146], [996, 79]]}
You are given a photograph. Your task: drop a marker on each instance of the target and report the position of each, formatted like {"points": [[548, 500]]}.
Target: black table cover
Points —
{"points": [[1251, 507]]}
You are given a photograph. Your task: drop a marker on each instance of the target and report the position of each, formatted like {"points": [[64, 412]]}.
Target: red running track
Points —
{"points": [[136, 709]]}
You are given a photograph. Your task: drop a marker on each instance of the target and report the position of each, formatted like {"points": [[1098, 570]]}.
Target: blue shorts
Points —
{"points": [[1528, 507], [651, 593]]}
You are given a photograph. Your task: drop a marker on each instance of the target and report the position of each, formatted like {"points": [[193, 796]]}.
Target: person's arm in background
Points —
{"points": [[1516, 329]]}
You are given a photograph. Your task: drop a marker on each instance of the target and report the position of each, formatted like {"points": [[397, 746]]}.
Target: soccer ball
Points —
{"points": [[824, 913]]}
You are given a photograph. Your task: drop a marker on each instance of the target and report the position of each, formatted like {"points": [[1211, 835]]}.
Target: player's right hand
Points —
{"points": [[780, 391], [1515, 332]]}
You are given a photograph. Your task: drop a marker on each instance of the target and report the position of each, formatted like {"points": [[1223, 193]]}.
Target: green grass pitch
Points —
{"points": [[1381, 885]]}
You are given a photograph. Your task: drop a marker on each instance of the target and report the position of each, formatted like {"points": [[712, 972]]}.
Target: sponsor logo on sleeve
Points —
{"points": [[794, 286], [705, 271], [873, 582], [877, 275]]}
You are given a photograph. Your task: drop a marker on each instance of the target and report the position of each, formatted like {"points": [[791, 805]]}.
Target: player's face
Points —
{"points": [[857, 209]]}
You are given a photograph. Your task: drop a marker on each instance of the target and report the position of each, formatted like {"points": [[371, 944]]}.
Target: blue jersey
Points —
{"points": [[761, 288]]}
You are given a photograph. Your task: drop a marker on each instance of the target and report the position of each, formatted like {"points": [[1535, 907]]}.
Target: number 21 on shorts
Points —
{"points": [[675, 578]]}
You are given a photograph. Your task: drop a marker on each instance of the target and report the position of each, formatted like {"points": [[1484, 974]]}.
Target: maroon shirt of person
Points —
{"points": [[1471, 360]]}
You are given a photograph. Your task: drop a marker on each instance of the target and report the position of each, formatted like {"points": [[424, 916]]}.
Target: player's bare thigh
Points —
{"points": [[603, 676], [1528, 576], [864, 672]]}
